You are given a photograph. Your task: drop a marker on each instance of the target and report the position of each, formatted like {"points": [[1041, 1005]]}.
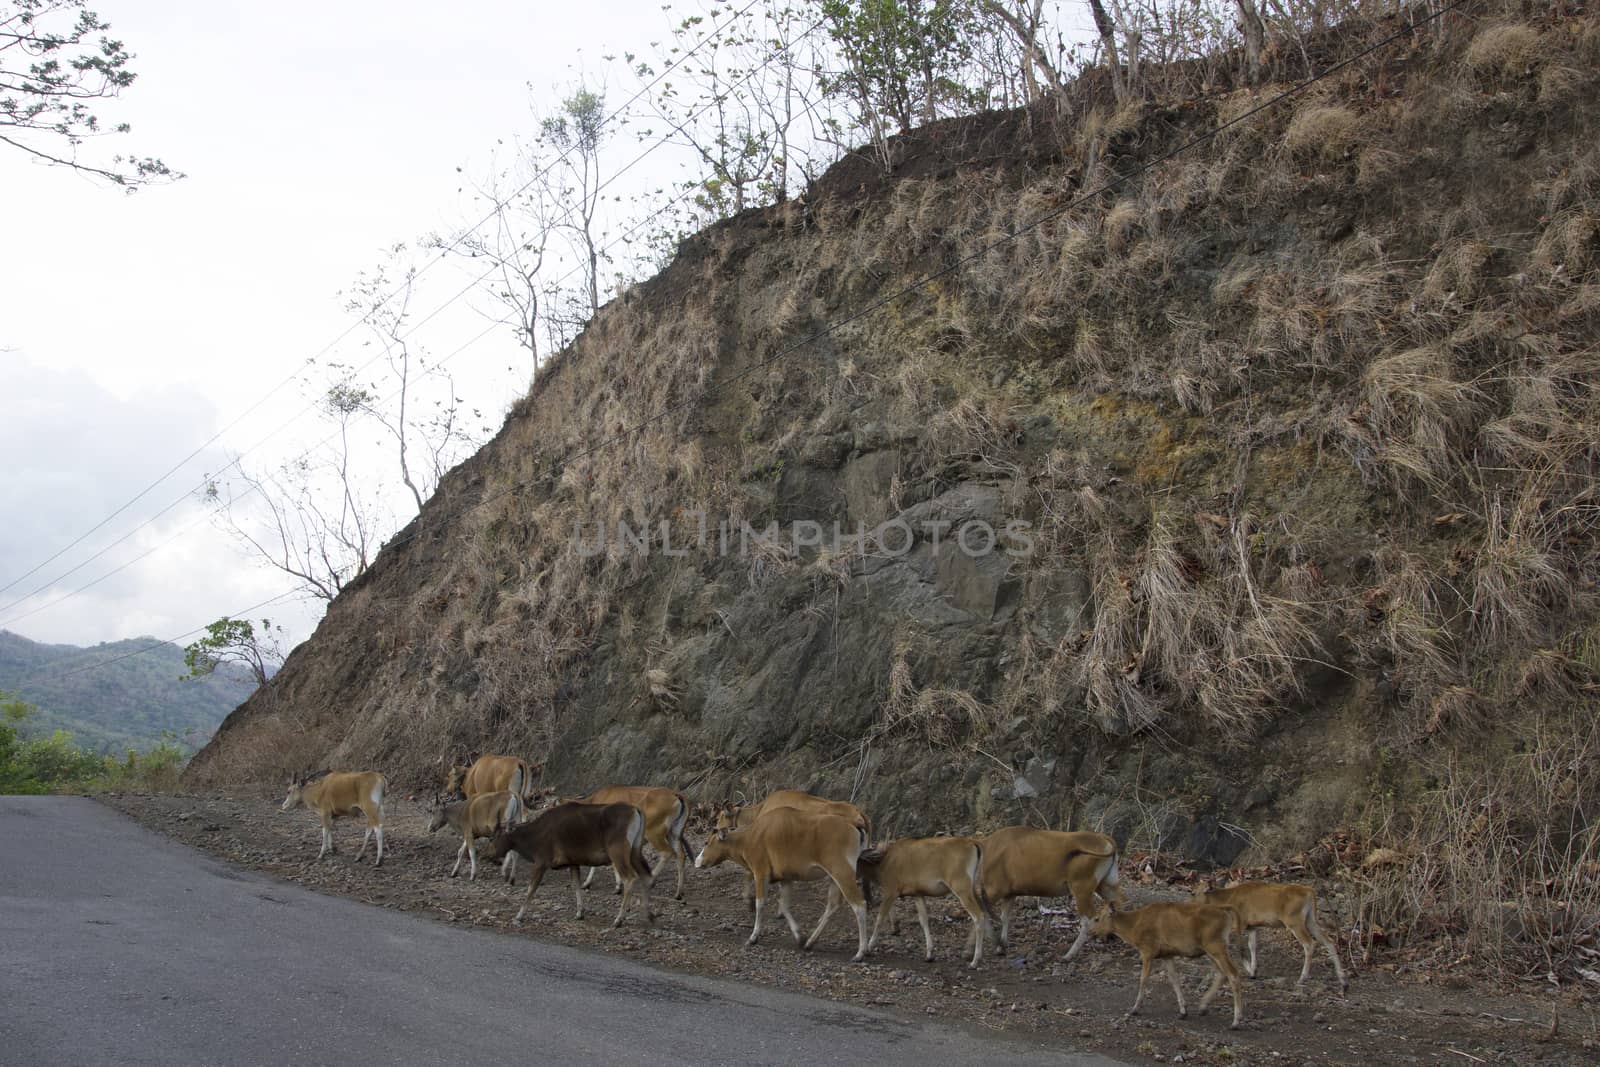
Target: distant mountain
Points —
{"points": [[125, 703]]}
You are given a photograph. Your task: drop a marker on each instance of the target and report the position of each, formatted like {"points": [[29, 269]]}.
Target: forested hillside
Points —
{"points": [[131, 703]]}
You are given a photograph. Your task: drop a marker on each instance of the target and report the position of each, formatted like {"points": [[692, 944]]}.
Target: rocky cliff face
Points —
{"points": [[1298, 427]]}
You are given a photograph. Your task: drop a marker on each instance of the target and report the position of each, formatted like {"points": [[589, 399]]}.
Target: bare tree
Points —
{"points": [[426, 445], [512, 243], [577, 131]]}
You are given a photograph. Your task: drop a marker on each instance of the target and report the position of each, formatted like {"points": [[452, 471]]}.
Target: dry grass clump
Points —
{"points": [[1504, 50], [944, 718], [1327, 131], [1458, 272], [1517, 584], [1412, 644], [1502, 859], [1455, 707], [1121, 225], [1418, 412], [1110, 671]]}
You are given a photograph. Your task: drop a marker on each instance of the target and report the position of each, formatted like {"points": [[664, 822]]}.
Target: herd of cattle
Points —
{"points": [[793, 836]]}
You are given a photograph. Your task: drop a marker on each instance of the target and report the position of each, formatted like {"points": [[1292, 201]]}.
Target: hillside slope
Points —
{"points": [[1302, 422], [122, 705]]}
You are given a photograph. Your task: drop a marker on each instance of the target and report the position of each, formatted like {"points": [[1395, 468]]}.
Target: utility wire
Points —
{"points": [[254, 487], [410, 333], [150, 647], [352, 327]]}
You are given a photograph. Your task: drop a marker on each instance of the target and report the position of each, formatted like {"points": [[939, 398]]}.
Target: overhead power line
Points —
{"points": [[473, 284], [352, 327]]}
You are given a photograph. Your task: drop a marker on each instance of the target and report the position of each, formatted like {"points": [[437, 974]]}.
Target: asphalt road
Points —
{"points": [[118, 946]]}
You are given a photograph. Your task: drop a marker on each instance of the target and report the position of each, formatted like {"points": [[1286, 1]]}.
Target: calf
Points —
{"points": [[482, 816], [787, 846], [336, 793], [577, 836], [1170, 931], [1019, 861], [929, 867], [1293, 907]]}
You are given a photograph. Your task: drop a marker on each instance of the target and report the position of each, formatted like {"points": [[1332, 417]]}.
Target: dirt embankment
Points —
{"points": [[1388, 1017]]}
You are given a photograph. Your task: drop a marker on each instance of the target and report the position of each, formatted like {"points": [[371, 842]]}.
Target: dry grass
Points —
{"points": [[1516, 582], [1326, 131], [1502, 51], [1419, 412], [951, 719], [1501, 861], [1120, 226]]}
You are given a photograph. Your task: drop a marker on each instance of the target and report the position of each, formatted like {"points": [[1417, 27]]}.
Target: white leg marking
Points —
{"points": [[927, 932]]}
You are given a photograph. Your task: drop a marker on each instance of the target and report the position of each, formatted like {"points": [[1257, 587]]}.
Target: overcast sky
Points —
{"points": [[133, 328]]}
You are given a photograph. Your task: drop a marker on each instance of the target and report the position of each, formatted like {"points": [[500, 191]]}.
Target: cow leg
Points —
{"points": [[927, 931], [459, 853], [628, 889], [860, 908], [577, 888], [1005, 925], [884, 909], [327, 841], [377, 832], [759, 892], [1079, 941], [1250, 965], [1225, 968], [587, 882], [786, 909], [472, 854], [1144, 973], [682, 853], [362, 851], [980, 921], [834, 899], [1315, 930], [533, 883], [1177, 990], [508, 868]]}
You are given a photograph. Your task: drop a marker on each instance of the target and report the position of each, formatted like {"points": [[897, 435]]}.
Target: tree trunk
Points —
{"points": [[1255, 33], [1108, 40]]}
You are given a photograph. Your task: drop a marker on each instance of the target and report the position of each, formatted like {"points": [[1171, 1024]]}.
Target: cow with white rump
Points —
{"points": [[666, 814], [574, 836], [332, 794], [789, 845], [1020, 861], [482, 816]]}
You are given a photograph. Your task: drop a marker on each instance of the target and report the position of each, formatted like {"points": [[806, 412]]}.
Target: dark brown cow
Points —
{"points": [[575, 836]]}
